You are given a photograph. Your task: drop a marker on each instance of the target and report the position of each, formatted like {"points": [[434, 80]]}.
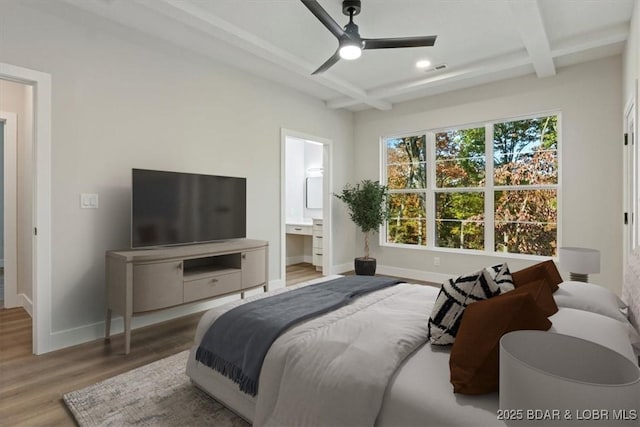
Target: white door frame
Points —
{"points": [[327, 184], [41, 214], [10, 224], [631, 179]]}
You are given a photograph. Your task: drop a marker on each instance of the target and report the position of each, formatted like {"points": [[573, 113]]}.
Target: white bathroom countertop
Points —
{"points": [[304, 221]]}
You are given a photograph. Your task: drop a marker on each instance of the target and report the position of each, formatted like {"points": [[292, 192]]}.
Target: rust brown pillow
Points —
{"points": [[541, 294], [474, 363], [545, 270]]}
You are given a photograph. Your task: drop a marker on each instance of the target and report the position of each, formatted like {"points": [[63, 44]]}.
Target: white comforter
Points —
{"points": [[418, 393], [333, 370]]}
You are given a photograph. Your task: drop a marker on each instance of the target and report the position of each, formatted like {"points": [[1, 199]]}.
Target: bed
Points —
{"points": [[417, 391]]}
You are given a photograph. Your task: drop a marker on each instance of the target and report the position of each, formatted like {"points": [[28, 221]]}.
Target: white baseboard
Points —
{"points": [[95, 331], [407, 273], [426, 276], [341, 268], [26, 303], [299, 259], [277, 283]]}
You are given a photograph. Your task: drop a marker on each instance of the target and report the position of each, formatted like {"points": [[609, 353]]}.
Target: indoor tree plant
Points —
{"points": [[367, 204]]}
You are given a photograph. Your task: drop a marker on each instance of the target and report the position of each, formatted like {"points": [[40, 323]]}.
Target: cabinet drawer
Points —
{"points": [[299, 229], [211, 286], [317, 226], [317, 259], [317, 242]]}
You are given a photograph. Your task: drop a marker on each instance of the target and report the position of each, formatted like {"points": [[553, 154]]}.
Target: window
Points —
{"points": [[525, 175], [491, 187], [459, 191], [407, 182]]}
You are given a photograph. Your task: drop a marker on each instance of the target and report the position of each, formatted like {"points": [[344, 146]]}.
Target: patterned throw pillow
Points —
{"points": [[455, 295], [502, 276]]}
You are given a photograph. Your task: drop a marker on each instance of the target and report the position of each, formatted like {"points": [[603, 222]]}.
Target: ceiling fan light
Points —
{"points": [[350, 51], [423, 63]]}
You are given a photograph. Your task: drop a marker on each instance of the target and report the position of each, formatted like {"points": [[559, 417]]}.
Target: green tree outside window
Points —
{"points": [[522, 185]]}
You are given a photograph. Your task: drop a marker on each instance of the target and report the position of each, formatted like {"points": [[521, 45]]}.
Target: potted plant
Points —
{"points": [[367, 206]]}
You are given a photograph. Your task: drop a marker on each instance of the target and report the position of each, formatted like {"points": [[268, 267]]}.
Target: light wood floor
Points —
{"points": [[31, 387], [301, 272]]}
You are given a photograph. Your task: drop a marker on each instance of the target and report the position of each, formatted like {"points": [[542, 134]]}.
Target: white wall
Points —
{"points": [[122, 101], [17, 98], [589, 99], [631, 56]]}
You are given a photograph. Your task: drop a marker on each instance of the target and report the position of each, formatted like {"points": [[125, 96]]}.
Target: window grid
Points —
{"points": [[431, 199], [489, 190]]}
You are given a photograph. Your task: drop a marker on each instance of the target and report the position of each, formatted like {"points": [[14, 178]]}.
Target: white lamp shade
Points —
{"points": [[579, 260], [545, 371]]}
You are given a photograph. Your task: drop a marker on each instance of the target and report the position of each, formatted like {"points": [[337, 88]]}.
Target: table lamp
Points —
{"points": [[551, 379], [579, 262]]}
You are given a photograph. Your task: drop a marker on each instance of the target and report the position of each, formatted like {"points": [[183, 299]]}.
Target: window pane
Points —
{"points": [[407, 222], [460, 220], [525, 152], [406, 162], [406, 175], [526, 221], [460, 158]]}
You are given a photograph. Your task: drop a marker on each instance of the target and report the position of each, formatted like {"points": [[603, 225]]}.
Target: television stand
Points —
{"points": [[143, 280]]}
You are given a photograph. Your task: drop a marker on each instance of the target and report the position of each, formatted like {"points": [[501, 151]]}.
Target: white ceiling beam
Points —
{"points": [[608, 36], [476, 69], [605, 37], [197, 17], [528, 21]]}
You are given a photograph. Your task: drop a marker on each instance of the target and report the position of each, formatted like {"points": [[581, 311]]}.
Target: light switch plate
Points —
{"points": [[88, 201]]}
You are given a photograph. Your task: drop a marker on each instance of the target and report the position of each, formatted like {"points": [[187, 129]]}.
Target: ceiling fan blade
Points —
{"points": [[399, 42], [328, 63], [324, 17]]}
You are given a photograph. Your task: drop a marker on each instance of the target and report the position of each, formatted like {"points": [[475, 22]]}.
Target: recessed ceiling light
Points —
{"points": [[423, 63]]}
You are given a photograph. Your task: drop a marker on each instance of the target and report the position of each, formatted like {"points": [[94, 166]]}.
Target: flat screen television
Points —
{"points": [[172, 208]]}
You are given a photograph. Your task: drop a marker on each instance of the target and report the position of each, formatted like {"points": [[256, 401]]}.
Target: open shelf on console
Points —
{"points": [[205, 266]]}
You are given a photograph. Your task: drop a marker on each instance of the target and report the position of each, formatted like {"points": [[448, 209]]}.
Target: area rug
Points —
{"points": [[158, 394]]}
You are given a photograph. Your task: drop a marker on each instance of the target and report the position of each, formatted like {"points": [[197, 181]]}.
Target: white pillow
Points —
{"points": [[596, 328], [590, 297]]}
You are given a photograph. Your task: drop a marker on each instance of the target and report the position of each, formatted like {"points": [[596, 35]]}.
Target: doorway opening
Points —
{"points": [[38, 218], [9, 224], [306, 202]]}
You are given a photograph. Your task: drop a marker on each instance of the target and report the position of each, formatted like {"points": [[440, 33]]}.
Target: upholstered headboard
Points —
{"points": [[631, 288]]}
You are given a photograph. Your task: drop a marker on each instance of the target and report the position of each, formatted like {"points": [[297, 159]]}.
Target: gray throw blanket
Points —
{"points": [[237, 342]]}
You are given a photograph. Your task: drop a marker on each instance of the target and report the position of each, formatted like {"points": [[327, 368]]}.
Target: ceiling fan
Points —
{"points": [[350, 44]]}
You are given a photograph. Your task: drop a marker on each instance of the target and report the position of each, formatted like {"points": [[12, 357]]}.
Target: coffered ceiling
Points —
{"points": [[478, 41]]}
